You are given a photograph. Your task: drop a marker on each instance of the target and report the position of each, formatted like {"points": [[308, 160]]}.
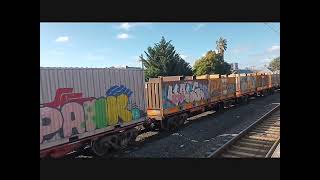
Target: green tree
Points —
{"points": [[211, 63], [274, 65], [221, 46], [163, 60]]}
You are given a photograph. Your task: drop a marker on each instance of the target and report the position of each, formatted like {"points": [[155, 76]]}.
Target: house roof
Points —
{"points": [[242, 71]]}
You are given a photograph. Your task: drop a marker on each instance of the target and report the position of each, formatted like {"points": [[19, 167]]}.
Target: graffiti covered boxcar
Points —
{"points": [[263, 81], [80, 106], [245, 84], [170, 95], [275, 80]]}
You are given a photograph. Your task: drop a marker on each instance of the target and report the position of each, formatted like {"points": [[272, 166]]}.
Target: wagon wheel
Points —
{"points": [[99, 147], [238, 100], [124, 142], [245, 99], [172, 124], [248, 99], [131, 135], [272, 91], [182, 119], [221, 107]]}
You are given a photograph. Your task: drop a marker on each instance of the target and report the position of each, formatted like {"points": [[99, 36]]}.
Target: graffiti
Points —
{"points": [[231, 88], [252, 82], [247, 83], [70, 113], [186, 92], [117, 108], [222, 87], [117, 90]]}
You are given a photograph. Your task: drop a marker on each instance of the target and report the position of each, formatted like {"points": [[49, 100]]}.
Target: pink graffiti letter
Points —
{"points": [[73, 116], [50, 121]]}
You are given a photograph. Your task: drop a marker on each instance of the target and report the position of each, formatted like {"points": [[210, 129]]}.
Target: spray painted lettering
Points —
{"points": [[70, 114], [186, 92]]}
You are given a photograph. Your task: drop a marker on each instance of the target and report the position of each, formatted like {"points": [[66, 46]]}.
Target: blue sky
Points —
{"points": [[119, 44]]}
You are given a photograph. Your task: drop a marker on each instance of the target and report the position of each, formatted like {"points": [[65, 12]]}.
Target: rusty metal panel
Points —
{"points": [[215, 88], [172, 78], [262, 81], [150, 95], [153, 80], [251, 82], [153, 97], [275, 78], [245, 83], [84, 101], [228, 87], [221, 87], [156, 90], [278, 79]]}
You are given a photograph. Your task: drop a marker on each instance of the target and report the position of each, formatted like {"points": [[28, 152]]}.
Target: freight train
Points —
{"points": [[103, 108]]}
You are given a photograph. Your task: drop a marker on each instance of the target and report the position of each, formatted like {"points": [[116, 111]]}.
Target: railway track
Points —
{"points": [[257, 141]]}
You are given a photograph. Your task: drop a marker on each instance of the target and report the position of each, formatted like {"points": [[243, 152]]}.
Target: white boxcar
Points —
{"points": [[84, 102]]}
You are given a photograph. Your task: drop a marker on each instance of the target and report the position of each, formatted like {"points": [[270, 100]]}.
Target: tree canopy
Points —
{"points": [[163, 60], [211, 63], [221, 46], [274, 65]]}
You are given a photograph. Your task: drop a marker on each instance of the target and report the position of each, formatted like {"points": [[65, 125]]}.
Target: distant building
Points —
{"points": [[127, 67], [242, 71], [124, 67], [234, 66], [264, 70]]}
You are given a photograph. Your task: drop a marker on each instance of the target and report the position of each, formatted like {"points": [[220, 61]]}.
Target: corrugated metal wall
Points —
{"points": [[86, 101], [92, 82]]}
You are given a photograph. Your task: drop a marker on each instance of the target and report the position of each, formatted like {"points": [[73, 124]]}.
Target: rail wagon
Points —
{"points": [[170, 99], [102, 107], [245, 85], [275, 78], [222, 88], [262, 83], [99, 107], [273, 81]]}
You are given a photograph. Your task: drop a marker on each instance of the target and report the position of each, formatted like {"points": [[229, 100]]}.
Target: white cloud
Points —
{"points": [[128, 26], [274, 48], [123, 36], [199, 26], [125, 26], [62, 39]]}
